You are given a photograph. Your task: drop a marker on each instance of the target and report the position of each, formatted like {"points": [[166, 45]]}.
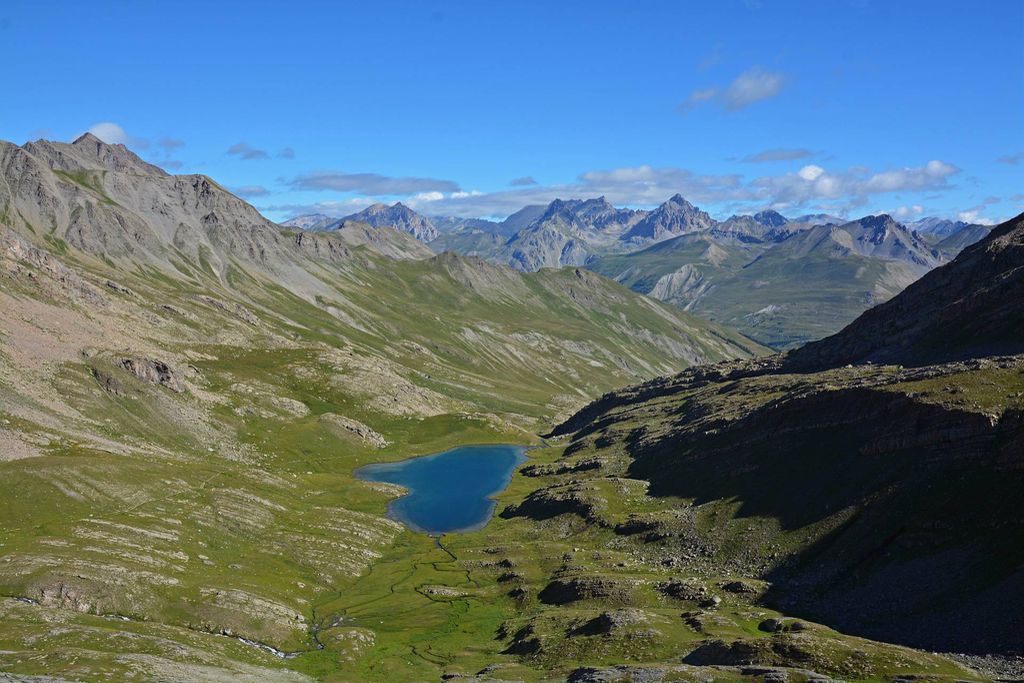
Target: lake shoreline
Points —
{"points": [[431, 502]]}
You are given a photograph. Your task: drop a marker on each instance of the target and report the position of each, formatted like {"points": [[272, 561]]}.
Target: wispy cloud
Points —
{"points": [[753, 85], [370, 184], [777, 155], [525, 181], [698, 97], [337, 209], [286, 153], [1011, 159], [245, 151], [170, 143], [249, 191]]}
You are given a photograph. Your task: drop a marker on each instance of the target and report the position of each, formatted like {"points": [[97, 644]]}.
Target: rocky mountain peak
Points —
{"points": [[397, 216], [770, 218], [89, 153], [87, 138], [882, 221], [675, 217]]}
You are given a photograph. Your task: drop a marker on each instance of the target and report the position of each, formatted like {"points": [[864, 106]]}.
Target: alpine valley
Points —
{"points": [[780, 281], [187, 388]]}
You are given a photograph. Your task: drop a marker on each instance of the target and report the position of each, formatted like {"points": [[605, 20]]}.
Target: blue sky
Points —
{"points": [[476, 109]]}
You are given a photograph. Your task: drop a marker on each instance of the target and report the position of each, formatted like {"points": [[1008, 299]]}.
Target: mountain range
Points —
{"points": [[780, 281]]}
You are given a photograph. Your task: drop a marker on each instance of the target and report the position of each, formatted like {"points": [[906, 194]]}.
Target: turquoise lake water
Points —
{"points": [[448, 491]]}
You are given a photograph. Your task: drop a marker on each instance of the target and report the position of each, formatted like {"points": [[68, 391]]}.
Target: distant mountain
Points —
{"points": [[763, 227], [523, 217], [818, 219], [779, 285], [771, 219], [675, 217], [959, 240], [310, 221], [456, 223], [397, 216], [872, 236], [543, 245], [478, 243], [382, 240], [596, 218], [937, 226], [972, 306], [680, 271], [567, 233]]}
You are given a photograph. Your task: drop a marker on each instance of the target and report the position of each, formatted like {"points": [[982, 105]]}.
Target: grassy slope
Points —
{"points": [[149, 522], [778, 300], [847, 488]]}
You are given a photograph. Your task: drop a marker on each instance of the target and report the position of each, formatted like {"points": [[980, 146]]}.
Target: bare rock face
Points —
{"points": [[19, 257], [109, 383], [154, 372], [346, 426], [65, 596]]}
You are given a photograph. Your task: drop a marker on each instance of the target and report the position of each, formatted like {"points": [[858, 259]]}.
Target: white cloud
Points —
{"points": [[906, 211], [810, 172], [973, 215], [753, 85], [429, 196], [814, 183], [113, 134]]}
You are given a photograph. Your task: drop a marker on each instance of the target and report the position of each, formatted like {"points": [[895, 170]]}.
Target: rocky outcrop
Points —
{"points": [[154, 372], [608, 589], [348, 428], [553, 501], [109, 383]]}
